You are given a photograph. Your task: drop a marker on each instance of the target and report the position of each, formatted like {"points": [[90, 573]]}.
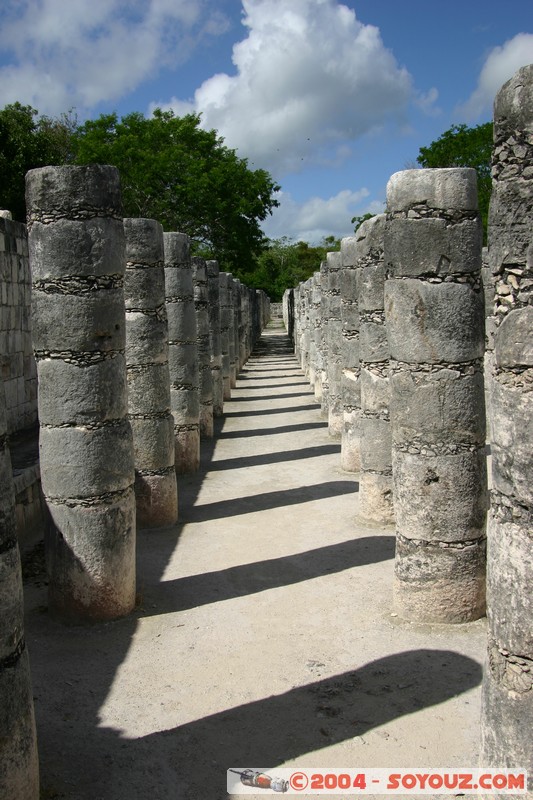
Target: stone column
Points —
{"points": [[19, 767], [77, 258], [350, 376], [324, 314], [226, 332], [213, 289], [233, 331], [375, 480], [334, 334], [434, 316], [316, 366], [199, 280], [182, 352], [507, 704], [148, 374]]}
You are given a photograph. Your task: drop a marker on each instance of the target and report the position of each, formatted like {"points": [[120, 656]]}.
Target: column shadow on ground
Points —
{"points": [[261, 459], [260, 576], [263, 411], [302, 426], [267, 500]]}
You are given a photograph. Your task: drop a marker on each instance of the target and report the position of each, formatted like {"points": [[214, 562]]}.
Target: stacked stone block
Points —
{"points": [[17, 363], [507, 705], [19, 769], [213, 289], [350, 377], [375, 480], [233, 331], [148, 374], [76, 245], [201, 303], [434, 318], [315, 356], [182, 352]]}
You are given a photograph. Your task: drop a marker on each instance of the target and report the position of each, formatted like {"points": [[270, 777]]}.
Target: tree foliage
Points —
{"points": [[461, 146], [27, 141], [283, 264], [186, 178]]}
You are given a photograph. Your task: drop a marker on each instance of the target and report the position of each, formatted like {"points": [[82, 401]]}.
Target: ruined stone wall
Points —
{"points": [[17, 362]]}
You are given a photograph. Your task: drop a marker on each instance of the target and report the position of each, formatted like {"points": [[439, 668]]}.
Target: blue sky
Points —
{"points": [[331, 97]]}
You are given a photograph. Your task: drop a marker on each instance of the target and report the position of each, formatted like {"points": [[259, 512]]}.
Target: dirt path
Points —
{"points": [[263, 636]]}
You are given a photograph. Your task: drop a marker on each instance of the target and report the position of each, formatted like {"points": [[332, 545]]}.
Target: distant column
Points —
{"points": [[334, 334], [225, 333], [19, 767], [375, 479], [148, 374], [182, 352], [350, 376], [233, 331], [213, 288], [434, 317], [77, 258], [201, 302], [316, 337], [507, 695]]}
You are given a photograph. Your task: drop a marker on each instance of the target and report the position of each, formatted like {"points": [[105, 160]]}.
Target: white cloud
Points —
{"points": [[78, 53], [318, 217], [307, 75], [500, 65]]}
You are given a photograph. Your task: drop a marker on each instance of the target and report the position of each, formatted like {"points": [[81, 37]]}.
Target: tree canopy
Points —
{"points": [[27, 141], [461, 146], [186, 178]]}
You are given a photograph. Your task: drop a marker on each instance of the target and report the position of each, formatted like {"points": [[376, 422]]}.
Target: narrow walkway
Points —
{"points": [[263, 635]]}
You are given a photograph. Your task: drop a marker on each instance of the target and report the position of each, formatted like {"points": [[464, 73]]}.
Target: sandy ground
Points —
{"points": [[263, 635]]}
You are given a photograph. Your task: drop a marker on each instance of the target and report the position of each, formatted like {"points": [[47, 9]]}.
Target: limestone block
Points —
{"points": [[514, 343], [157, 500], [153, 442], [437, 498], [82, 462], [148, 389], [77, 395], [509, 570], [375, 444], [19, 768], [70, 248], [437, 406], [146, 339], [49, 190], [374, 346], [439, 584], [434, 247], [435, 188], [12, 627], [77, 322], [375, 498], [433, 323], [371, 283], [376, 391], [512, 434]]}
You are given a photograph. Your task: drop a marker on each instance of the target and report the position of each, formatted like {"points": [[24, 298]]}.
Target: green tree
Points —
{"points": [[185, 177], [358, 221], [27, 141], [461, 146]]}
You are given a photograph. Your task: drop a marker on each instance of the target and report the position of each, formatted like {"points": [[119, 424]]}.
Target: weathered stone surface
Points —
{"points": [[73, 192], [509, 573], [157, 500], [433, 323], [19, 767], [442, 189], [514, 343], [439, 584], [82, 462], [147, 338], [374, 346], [153, 443], [98, 579], [437, 498], [148, 389], [436, 247], [375, 444], [375, 498], [437, 406], [78, 395], [76, 248], [512, 435], [375, 388]]}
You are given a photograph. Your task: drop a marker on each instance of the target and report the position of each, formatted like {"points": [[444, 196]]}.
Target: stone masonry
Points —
{"points": [[203, 339], [77, 257], [435, 324], [148, 374]]}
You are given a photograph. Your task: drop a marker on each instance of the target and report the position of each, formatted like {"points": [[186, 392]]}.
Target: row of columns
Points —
{"points": [[133, 363], [412, 307]]}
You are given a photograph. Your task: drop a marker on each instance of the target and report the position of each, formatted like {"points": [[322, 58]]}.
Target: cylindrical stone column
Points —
{"points": [[226, 332], [148, 374], [77, 258], [213, 289], [19, 767], [507, 696], [434, 317], [201, 302], [334, 334], [324, 314], [350, 376], [182, 352], [233, 331], [316, 337], [375, 479]]}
